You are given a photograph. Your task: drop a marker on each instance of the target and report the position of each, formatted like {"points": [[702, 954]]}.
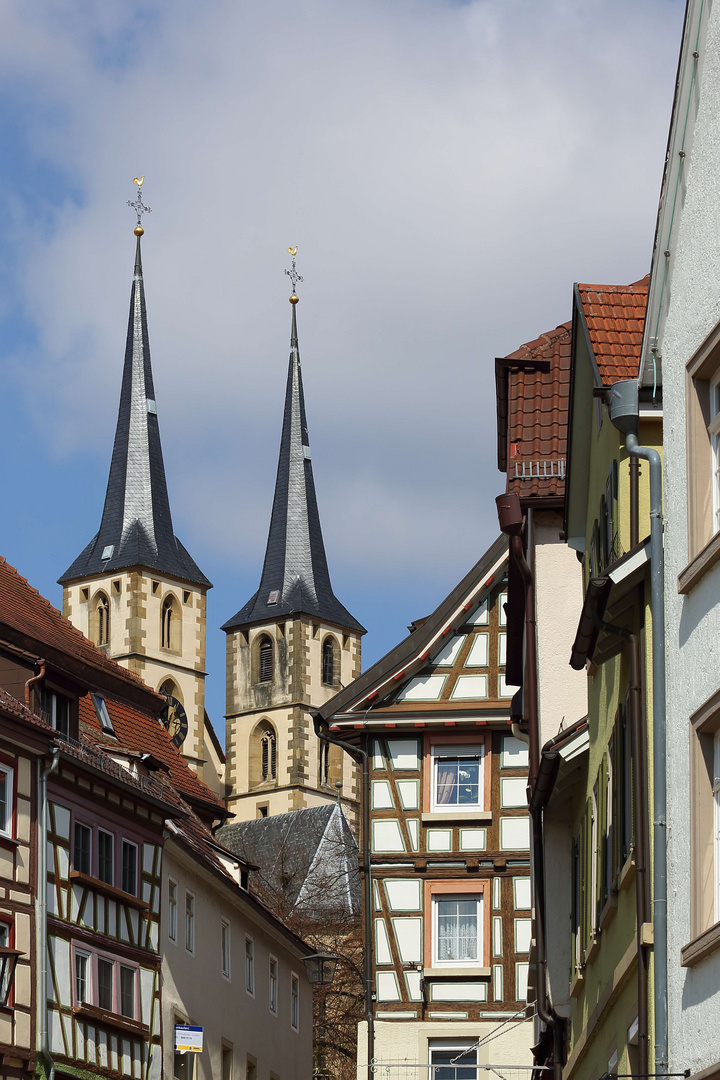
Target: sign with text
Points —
{"points": [[188, 1039]]}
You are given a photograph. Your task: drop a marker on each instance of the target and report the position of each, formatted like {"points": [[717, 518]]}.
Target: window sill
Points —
{"points": [[460, 816], [108, 890], [701, 946], [608, 912], [699, 566], [109, 1019], [9, 842], [593, 950], [627, 874], [578, 984], [457, 973]]}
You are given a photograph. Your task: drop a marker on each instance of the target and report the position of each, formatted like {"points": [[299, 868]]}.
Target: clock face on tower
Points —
{"points": [[175, 720]]}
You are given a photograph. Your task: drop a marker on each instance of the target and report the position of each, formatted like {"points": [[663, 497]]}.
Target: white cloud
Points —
{"points": [[447, 171]]}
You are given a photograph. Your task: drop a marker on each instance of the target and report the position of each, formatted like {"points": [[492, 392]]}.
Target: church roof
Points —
{"points": [[295, 577], [136, 527], [306, 856]]}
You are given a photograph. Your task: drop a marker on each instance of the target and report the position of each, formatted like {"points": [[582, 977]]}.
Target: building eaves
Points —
{"points": [[361, 693], [615, 318]]}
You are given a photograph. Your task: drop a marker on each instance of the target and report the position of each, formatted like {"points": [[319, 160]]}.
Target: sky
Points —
{"points": [[447, 169]]}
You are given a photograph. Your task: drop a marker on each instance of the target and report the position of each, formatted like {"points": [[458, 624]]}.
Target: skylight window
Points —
{"points": [[102, 714], [274, 596], [107, 551]]}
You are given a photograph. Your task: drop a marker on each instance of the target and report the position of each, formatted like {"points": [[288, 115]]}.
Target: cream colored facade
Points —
{"points": [[136, 599], [281, 705], [244, 1036]]}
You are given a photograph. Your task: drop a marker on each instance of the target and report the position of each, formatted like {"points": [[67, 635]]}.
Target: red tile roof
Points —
{"points": [[615, 316], [140, 732], [532, 440], [24, 610], [10, 704]]}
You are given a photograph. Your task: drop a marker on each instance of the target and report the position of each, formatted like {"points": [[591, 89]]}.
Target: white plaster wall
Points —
{"points": [[562, 692], [692, 622], [195, 990]]}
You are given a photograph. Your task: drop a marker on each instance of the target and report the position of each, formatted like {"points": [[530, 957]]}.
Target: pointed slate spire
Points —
{"points": [[295, 577], [136, 527]]}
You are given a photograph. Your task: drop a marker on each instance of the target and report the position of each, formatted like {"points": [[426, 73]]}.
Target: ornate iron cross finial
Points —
{"points": [[292, 273], [139, 206]]}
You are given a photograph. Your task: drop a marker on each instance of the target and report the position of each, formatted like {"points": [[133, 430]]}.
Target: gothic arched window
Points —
{"points": [[330, 667], [102, 620], [262, 763], [265, 657], [170, 624], [268, 746]]}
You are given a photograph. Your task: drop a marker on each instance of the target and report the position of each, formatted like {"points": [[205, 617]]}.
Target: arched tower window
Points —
{"points": [[170, 624], [263, 755], [169, 689], [330, 661], [265, 656], [101, 620], [269, 756]]}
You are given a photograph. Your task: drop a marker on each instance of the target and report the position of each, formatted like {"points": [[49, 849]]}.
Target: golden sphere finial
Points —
{"points": [[138, 230], [294, 299]]}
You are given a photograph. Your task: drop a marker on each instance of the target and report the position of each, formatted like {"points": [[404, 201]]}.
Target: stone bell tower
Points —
{"points": [[134, 590], [290, 648]]}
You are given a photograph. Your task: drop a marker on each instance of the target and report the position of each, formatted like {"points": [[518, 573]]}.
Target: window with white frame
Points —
{"points": [[273, 985], [189, 922], [82, 977], [8, 974], [129, 867], [249, 965], [105, 982], [172, 910], [56, 711], [457, 778], [6, 800], [457, 930], [456, 1060], [225, 948], [294, 1001]]}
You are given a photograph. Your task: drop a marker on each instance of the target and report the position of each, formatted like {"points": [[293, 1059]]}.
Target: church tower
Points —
{"points": [[134, 590], [290, 648]]}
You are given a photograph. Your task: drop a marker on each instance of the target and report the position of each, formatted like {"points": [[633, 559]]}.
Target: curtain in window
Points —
{"points": [[446, 776], [457, 930]]}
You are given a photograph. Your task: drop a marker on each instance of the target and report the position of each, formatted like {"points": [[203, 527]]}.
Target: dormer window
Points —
{"points": [[56, 711], [265, 653]]}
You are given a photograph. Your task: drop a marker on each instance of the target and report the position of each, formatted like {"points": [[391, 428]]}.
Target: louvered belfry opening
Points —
{"points": [[266, 659]]}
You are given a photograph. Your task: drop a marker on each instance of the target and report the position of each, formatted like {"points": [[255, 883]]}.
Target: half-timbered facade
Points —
{"points": [[24, 741], [448, 834], [105, 831]]}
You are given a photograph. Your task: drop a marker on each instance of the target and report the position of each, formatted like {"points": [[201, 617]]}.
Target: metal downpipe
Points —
{"points": [[657, 609]]}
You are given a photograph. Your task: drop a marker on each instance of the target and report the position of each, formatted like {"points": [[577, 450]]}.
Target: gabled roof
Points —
{"points": [[408, 658], [295, 578], [306, 856], [533, 388], [31, 620], [136, 527], [140, 732], [615, 316]]}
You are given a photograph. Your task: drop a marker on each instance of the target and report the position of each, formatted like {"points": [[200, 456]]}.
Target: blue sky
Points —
{"points": [[448, 170]]}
